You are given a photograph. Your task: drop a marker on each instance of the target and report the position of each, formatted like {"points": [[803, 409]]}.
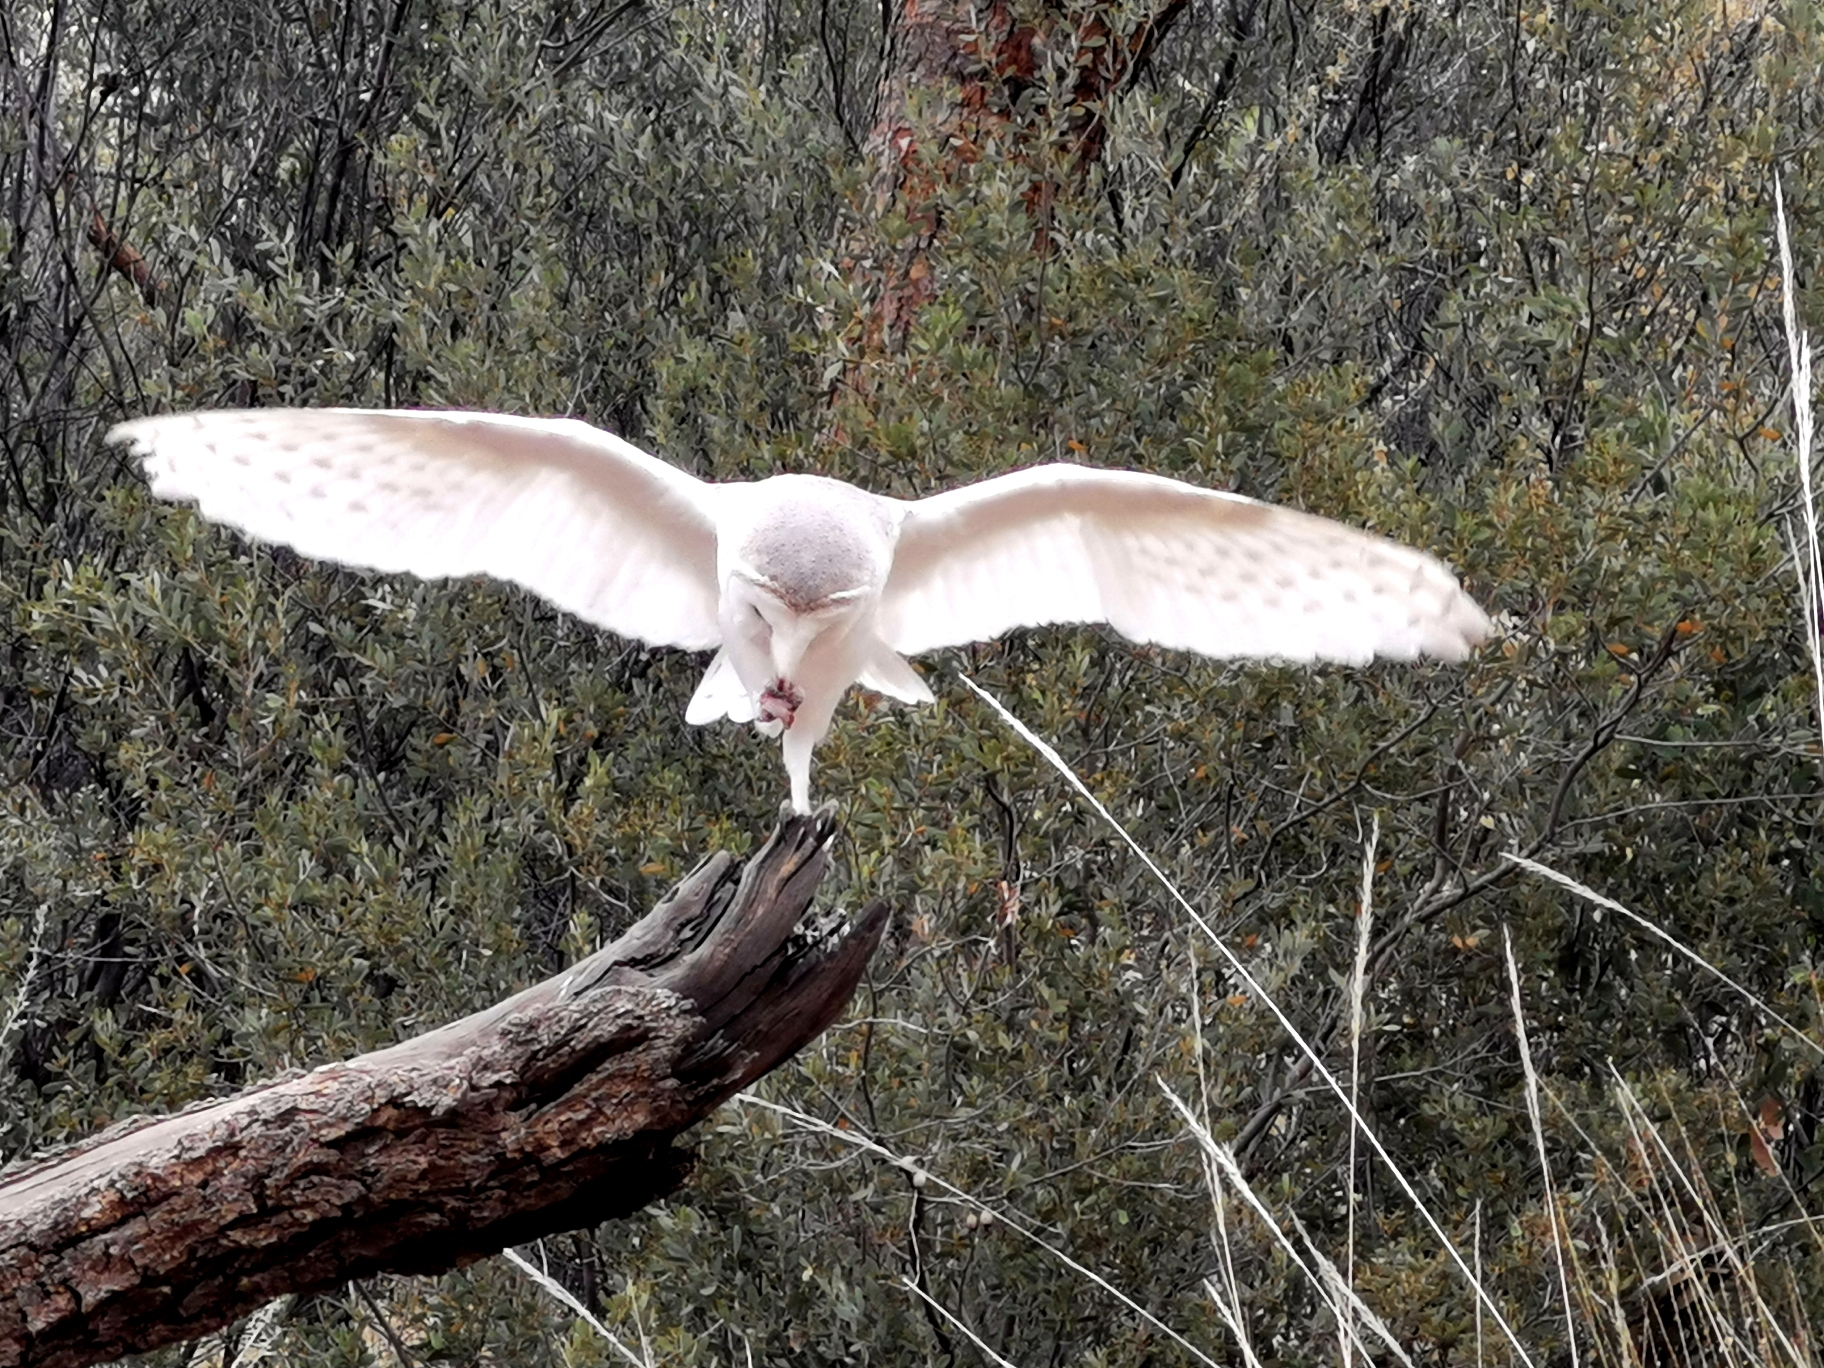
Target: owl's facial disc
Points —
{"points": [[783, 634]]}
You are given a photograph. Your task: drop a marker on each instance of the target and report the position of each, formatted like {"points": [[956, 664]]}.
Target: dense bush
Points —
{"points": [[1497, 282]]}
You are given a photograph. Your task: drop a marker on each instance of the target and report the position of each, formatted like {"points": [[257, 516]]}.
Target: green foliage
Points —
{"points": [[1495, 283]]}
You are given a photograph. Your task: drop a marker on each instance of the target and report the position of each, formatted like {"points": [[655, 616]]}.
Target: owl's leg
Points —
{"points": [[798, 746], [810, 724]]}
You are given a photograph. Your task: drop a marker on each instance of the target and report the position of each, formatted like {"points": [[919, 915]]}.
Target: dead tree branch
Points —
{"points": [[553, 1110]]}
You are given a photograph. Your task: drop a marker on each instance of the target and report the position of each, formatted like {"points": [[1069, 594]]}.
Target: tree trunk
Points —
{"points": [[552, 1110], [1026, 81]]}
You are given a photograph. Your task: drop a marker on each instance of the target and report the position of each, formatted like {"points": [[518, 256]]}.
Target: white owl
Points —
{"points": [[804, 585]]}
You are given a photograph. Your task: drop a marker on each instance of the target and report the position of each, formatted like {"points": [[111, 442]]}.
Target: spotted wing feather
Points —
{"points": [[571, 512], [1168, 563]]}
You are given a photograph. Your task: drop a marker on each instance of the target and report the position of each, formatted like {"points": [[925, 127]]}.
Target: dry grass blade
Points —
{"points": [[1545, 1160], [811, 1123], [1231, 1317], [561, 1294], [1241, 971], [1323, 1274], [1705, 1303], [1591, 895], [1478, 1240], [967, 1333], [1807, 558], [1358, 988], [1224, 1295]]}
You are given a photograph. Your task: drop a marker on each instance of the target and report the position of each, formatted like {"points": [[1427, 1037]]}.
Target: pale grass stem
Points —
{"points": [[1358, 988], [1347, 1295], [1478, 1252], [1344, 1304], [1545, 1160], [805, 1121], [1591, 895], [1682, 1258], [1232, 1319], [552, 1287], [1676, 1245], [1225, 1296], [1689, 1250], [1318, 1067], [1807, 559], [967, 1333]]}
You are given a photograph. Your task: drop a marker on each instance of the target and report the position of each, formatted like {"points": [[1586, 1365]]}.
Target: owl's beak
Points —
{"points": [[790, 642]]}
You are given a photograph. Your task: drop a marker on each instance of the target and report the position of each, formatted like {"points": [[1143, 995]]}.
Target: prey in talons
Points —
{"points": [[780, 701]]}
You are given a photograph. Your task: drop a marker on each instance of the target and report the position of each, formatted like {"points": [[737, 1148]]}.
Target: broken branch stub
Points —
{"points": [[553, 1110]]}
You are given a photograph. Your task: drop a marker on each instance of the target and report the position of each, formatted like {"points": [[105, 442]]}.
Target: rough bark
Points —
{"points": [[552, 1110], [123, 258]]}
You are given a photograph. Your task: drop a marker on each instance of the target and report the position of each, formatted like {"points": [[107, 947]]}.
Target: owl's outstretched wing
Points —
{"points": [[1164, 562], [571, 512]]}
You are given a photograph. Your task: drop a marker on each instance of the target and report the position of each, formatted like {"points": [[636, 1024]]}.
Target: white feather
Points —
{"points": [[1164, 562], [720, 694], [572, 513], [886, 673]]}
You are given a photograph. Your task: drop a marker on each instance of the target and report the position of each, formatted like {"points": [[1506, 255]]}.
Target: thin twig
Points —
{"points": [[407, 1359]]}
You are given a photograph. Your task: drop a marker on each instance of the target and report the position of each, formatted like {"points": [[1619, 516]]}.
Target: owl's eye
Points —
{"points": [[759, 616]]}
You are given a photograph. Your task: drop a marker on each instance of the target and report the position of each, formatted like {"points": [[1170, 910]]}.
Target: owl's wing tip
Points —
{"points": [[1462, 628], [135, 433]]}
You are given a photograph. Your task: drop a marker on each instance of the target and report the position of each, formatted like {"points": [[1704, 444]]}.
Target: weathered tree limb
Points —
{"points": [[552, 1110]]}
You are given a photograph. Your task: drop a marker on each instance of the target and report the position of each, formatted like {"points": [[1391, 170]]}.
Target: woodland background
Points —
{"points": [[1496, 280]]}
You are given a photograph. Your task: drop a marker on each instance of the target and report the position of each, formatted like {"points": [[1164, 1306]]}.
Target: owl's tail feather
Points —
{"points": [[721, 694], [888, 672]]}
